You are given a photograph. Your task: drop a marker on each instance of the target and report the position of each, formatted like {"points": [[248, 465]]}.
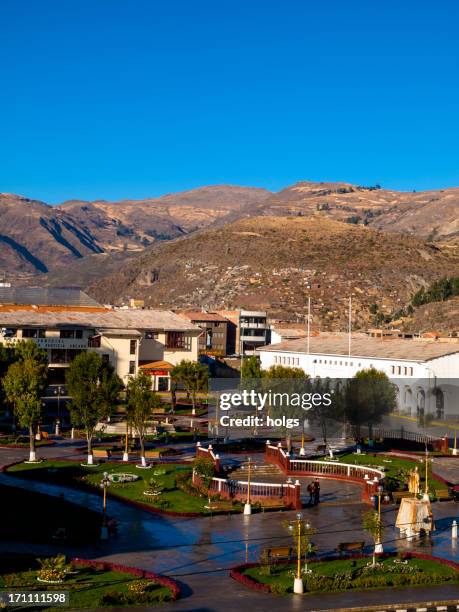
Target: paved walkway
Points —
{"points": [[198, 552]]}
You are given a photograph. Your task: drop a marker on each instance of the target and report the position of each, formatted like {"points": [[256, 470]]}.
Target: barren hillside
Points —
{"points": [[275, 263]]}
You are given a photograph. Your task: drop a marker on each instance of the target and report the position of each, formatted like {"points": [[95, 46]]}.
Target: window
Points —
{"points": [[94, 342], [132, 367], [411, 371], [33, 333], [399, 370], [105, 358], [67, 333], [175, 340], [151, 335], [132, 347], [405, 370], [78, 333]]}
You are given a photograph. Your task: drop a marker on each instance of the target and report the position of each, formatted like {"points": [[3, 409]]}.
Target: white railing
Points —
{"points": [[335, 468]]}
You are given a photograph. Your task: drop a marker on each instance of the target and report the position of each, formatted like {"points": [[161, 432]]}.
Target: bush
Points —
{"points": [[111, 598], [279, 588]]}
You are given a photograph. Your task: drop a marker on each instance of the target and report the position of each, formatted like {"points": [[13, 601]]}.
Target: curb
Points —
{"points": [[429, 606]]}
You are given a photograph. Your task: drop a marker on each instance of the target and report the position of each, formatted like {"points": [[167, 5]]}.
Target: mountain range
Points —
{"points": [[227, 246]]}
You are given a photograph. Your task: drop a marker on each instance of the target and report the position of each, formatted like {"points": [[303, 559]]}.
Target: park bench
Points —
{"points": [[397, 496], [153, 454], [443, 495], [350, 547], [273, 504], [278, 552], [101, 453]]}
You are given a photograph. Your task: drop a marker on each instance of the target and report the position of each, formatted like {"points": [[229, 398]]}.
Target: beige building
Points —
{"points": [[152, 340]]}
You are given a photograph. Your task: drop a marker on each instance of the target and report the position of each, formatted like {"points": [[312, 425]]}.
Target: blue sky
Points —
{"points": [[116, 98]]}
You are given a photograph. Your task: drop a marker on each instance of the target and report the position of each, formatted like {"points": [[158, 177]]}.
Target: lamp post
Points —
{"points": [[126, 443], [455, 444], [378, 544], [104, 483], [302, 450], [426, 496], [58, 391], [248, 505], [296, 528]]}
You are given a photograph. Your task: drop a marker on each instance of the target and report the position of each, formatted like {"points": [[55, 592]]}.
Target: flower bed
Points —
{"points": [[338, 574], [91, 584]]}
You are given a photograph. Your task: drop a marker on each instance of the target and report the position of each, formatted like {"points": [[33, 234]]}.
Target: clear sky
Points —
{"points": [[135, 98]]}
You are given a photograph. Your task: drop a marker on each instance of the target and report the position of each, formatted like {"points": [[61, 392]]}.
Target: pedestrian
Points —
{"points": [[316, 492], [310, 490]]}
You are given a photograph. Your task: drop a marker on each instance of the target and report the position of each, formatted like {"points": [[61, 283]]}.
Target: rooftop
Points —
{"points": [[203, 316], [387, 348], [42, 296], [101, 319]]}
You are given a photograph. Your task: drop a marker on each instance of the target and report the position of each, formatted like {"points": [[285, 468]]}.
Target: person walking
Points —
{"points": [[310, 490], [316, 492]]}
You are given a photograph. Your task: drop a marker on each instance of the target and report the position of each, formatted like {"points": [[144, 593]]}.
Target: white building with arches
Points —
{"points": [[425, 372]]}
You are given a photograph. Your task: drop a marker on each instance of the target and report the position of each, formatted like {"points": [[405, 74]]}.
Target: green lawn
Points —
{"points": [[345, 574], [87, 586], [392, 465], [71, 473]]}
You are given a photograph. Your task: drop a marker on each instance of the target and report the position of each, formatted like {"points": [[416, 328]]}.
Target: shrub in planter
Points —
{"points": [[53, 569]]}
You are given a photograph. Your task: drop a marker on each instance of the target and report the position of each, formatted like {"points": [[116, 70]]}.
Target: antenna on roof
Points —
{"points": [[350, 323]]}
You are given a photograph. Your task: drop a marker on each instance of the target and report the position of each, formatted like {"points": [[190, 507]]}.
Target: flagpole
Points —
{"points": [[350, 323], [309, 320]]}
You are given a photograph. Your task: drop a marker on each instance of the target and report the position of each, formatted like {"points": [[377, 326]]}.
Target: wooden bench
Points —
{"points": [[443, 495], [273, 504], [397, 496], [101, 453], [350, 547], [278, 552], [153, 454]]}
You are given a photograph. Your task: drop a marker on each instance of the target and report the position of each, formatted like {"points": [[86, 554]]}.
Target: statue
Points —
{"points": [[413, 481]]}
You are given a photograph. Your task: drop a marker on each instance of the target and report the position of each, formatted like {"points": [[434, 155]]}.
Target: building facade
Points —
{"points": [[250, 330], [129, 339], [213, 340], [425, 373]]}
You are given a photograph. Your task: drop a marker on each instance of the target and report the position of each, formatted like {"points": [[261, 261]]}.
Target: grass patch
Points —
{"points": [[394, 467], [347, 574], [89, 587], [71, 473]]}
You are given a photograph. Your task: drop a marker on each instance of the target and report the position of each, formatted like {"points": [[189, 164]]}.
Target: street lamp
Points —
{"points": [[126, 443], [426, 497], [296, 528], [104, 483], [378, 545], [248, 506]]}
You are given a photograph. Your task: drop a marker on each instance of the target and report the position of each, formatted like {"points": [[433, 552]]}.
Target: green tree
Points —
{"points": [[193, 376], [24, 385], [251, 368], [286, 381], [327, 416], [373, 524], [28, 349], [141, 403], [367, 398], [94, 388], [204, 468]]}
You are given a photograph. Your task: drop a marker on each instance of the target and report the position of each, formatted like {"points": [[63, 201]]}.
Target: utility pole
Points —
{"points": [[350, 323]]}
